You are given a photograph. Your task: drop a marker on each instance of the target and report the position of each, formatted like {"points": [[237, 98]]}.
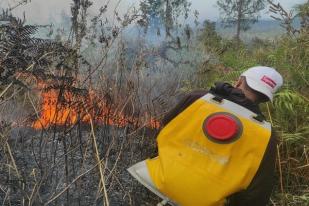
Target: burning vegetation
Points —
{"points": [[65, 107], [85, 121]]}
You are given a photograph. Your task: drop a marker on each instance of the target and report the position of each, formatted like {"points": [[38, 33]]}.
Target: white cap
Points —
{"points": [[265, 80]]}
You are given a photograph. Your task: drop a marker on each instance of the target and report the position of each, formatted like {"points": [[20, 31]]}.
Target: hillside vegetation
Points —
{"points": [[80, 106]]}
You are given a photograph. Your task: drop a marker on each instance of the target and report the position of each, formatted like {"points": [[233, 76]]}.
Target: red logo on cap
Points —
{"points": [[269, 81]]}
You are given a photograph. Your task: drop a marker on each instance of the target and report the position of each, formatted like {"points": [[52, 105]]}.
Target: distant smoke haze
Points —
{"points": [[51, 11], [47, 11]]}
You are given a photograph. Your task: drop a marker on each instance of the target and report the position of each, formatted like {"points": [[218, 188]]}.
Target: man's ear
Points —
{"points": [[238, 83]]}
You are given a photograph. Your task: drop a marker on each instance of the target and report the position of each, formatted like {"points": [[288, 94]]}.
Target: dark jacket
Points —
{"points": [[259, 190]]}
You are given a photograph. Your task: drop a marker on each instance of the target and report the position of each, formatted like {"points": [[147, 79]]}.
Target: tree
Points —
{"points": [[240, 13], [164, 12], [287, 18], [209, 35], [303, 14]]}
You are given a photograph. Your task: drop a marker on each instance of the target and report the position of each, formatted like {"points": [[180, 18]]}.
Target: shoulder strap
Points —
{"points": [[236, 109]]}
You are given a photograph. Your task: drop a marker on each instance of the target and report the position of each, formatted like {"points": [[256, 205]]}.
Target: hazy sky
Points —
{"points": [[44, 11]]}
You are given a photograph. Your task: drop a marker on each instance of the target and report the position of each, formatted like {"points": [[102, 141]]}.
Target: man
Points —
{"points": [[255, 86]]}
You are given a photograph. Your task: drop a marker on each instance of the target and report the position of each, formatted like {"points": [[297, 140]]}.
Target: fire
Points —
{"points": [[62, 107], [54, 112]]}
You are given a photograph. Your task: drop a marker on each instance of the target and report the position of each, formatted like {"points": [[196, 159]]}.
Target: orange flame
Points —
{"points": [[67, 109]]}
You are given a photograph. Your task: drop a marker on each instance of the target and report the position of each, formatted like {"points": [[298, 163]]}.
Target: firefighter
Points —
{"points": [[215, 147]]}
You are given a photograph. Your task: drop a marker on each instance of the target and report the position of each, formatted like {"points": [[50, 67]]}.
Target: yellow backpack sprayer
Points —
{"points": [[208, 152]]}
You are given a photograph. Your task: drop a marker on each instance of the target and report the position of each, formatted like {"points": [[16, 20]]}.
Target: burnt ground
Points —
{"points": [[50, 161]]}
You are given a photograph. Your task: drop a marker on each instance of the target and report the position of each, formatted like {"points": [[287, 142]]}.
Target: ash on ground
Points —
{"points": [[59, 166]]}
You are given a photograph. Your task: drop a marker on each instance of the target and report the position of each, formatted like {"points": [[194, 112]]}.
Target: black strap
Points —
{"points": [[217, 99], [259, 118]]}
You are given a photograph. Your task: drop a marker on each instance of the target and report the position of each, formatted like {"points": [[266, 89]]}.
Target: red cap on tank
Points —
{"points": [[222, 127]]}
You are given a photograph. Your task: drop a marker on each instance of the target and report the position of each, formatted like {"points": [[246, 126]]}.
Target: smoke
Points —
{"points": [[14, 112], [46, 11]]}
